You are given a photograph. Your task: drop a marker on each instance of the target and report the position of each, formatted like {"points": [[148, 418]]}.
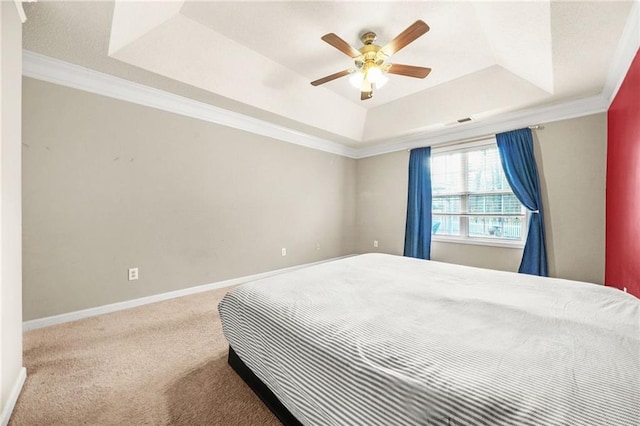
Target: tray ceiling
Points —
{"points": [[488, 58]]}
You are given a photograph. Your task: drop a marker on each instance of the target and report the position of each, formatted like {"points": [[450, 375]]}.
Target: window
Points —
{"points": [[472, 200]]}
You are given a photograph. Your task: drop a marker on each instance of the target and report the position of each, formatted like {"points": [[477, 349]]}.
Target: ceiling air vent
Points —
{"points": [[464, 120]]}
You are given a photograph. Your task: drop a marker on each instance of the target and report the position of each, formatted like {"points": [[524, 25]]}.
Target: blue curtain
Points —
{"points": [[417, 237], [519, 164]]}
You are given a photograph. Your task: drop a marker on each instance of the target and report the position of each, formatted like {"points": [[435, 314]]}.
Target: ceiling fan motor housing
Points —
{"points": [[371, 54], [368, 37]]}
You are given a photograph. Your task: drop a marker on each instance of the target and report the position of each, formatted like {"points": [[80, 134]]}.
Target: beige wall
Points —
{"points": [[571, 157], [110, 185], [382, 202], [10, 207]]}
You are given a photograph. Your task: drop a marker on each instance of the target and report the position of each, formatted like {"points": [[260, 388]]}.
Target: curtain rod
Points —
{"points": [[477, 138]]}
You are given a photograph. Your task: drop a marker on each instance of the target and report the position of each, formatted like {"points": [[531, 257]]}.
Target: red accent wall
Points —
{"points": [[622, 250]]}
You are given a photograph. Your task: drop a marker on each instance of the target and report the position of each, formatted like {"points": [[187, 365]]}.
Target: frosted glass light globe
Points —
{"points": [[375, 76], [356, 79]]}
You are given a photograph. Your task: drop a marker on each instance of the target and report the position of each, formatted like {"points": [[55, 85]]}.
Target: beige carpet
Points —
{"points": [[159, 364]]}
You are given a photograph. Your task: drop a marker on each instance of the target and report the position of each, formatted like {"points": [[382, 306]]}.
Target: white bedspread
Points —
{"points": [[387, 340]]}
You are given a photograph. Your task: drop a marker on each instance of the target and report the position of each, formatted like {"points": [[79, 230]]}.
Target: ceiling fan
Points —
{"points": [[369, 60]]}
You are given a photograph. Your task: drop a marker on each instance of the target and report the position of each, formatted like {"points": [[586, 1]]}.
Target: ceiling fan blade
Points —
{"points": [[412, 32], [341, 45], [409, 70], [330, 77], [366, 95]]}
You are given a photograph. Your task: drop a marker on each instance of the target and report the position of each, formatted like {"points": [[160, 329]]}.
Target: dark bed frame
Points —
{"points": [[259, 388]]}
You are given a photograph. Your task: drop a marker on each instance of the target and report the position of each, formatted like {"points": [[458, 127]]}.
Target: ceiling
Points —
{"points": [[259, 57]]}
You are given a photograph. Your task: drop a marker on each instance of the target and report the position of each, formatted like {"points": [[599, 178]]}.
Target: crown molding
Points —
{"points": [[20, 7], [53, 70], [501, 123], [21, 14], [59, 72], [626, 51]]}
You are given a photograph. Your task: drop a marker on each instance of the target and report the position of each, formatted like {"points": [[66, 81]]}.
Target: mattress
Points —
{"points": [[387, 340]]}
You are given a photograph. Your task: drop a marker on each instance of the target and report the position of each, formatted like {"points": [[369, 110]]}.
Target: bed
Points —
{"points": [[387, 340]]}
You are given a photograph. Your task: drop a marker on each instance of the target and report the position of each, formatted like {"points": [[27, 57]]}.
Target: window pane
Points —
{"points": [[446, 173], [446, 204], [496, 227], [471, 195], [485, 172], [494, 204], [445, 225]]}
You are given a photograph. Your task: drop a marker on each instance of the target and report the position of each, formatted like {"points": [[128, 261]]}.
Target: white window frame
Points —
{"points": [[465, 238]]}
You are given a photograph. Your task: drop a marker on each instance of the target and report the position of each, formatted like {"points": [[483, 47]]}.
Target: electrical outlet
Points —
{"points": [[318, 246], [284, 251], [375, 243], [133, 274]]}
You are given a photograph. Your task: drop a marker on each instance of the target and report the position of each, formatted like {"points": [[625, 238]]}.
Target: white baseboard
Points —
{"points": [[13, 397], [105, 309]]}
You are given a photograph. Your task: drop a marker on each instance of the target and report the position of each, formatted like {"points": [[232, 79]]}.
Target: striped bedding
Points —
{"points": [[386, 340]]}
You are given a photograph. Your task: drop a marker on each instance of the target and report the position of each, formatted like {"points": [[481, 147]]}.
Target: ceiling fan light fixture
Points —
{"points": [[375, 76], [356, 79], [362, 79]]}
